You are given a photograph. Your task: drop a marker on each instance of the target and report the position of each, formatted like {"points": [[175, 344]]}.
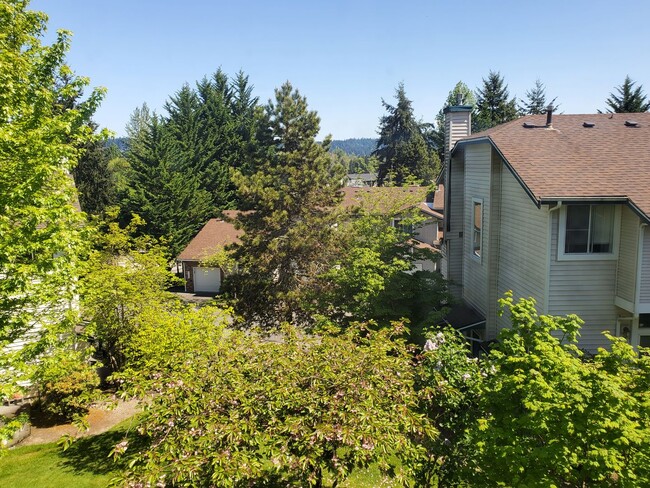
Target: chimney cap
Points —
{"points": [[458, 108]]}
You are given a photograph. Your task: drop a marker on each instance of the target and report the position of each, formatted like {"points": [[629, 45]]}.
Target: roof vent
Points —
{"points": [[529, 126], [589, 124], [549, 115], [631, 123]]}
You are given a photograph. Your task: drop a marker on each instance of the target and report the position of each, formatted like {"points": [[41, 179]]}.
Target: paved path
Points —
{"points": [[100, 420]]}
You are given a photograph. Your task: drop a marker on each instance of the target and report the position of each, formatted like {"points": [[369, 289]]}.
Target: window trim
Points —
{"points": [[587, 256], [477, 257]]}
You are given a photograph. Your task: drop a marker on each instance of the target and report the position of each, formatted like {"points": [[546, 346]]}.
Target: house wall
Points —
{"points": [[644, 295], [522, 253], [583, 287], [478, 160], [626, 273], [187, 275], [454, 234], [428, 232]]}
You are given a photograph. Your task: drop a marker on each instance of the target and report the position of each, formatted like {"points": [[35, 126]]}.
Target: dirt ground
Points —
{"points": [[100, 420]]}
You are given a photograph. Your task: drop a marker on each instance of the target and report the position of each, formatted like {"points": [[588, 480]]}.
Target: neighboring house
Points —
{"points": [[213, 237], [554, 207], [427, 235], [361, 179]]}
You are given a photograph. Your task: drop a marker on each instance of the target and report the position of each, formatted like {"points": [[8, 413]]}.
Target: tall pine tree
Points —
{"points": [[403, 152], [493, 103], [288, 237], [628, 100], [535, 102]]}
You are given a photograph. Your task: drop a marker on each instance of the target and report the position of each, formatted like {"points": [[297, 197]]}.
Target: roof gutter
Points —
{"points": [[596, 200]]}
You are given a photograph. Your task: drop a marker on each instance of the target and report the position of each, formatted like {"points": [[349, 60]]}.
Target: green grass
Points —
{"points": [[84, 465]]}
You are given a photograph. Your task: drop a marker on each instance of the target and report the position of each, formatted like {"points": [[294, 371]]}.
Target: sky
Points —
{"points": [[346, 56]]}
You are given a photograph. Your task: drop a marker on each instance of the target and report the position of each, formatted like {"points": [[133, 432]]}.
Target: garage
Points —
{"points": [[206, 280]]}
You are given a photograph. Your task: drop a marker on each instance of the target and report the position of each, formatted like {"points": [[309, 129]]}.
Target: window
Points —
{"points": [[403, 225], [588, 229], [478, 227]]}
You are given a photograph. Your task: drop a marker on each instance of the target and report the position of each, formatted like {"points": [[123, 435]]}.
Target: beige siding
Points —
{"points": [[585, 288], [477, 186], [453, 236], [627, 257], [523, 252], [428, 232], [645, 268]]}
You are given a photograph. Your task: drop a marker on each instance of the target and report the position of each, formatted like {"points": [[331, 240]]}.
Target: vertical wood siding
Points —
{"points": [[645, 268], [477, 185], [454, 243], [626, 272]]}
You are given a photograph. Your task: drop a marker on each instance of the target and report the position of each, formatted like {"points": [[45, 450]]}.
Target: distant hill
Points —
{"points": [[122, 143], [358, 147]]}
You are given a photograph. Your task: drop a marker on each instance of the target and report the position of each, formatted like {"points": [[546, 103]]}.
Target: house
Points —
{"points": [[553, 207], [428, 234], [360, 179], [214, 236]]}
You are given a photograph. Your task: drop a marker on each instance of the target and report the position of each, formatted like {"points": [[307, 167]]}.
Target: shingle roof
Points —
{"points": [[610, 160], [215, 234]]}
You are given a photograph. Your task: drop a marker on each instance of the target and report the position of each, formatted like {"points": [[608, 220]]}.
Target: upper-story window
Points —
{"points": [[477, 224], [588, 230]]}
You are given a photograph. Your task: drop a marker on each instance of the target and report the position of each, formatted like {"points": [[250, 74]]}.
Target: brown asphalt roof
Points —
{"points": [[215, 234], [570, 161]]}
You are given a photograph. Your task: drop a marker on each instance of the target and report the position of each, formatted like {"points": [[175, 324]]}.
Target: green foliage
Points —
{"points": [[402, 149], [181, 163], [628, 99], [355, 164], [9, 427], [40, 231], [287, 240], [552, 418], [535, 102], [123, 276], [493, 103], [294, 412], [66, 385], [372, 276], [450, 383]]}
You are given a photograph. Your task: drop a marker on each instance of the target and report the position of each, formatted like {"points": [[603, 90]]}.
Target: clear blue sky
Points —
{"points": [[345, 56]]}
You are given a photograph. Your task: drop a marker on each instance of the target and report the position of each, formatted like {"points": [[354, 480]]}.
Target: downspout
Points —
{"points": [[549, 246]]}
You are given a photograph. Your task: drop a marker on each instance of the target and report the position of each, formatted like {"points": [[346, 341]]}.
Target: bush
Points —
{"points": [[67, 385]]}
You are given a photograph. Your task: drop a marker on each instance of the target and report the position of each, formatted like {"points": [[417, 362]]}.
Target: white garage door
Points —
{"points": [[206, 280]]}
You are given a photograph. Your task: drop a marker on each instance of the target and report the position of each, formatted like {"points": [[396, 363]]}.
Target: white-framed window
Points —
{"points": [[588, 231], [477, 228], [403, 225]]}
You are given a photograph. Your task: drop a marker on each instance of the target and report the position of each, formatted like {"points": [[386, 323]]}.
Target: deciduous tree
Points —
{"points": [[40, 230]]}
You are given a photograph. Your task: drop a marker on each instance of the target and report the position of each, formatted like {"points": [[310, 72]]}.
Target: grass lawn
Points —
{"points": [[86, 465]]}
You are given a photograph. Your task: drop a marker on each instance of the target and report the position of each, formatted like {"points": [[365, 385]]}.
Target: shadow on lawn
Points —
{"points": [[90, 454]]}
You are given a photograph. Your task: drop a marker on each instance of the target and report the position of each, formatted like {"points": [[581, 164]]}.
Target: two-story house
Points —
{"points": [[554, 207]]}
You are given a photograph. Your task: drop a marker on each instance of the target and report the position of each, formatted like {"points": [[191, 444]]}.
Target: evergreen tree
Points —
{"points": [[94, 176], [493, 103], [403, 152], [628, 100], [288, 237], [436, 135], [535, 102]]}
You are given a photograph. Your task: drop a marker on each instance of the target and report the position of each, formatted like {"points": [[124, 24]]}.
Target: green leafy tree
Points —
{"points": [[402, 149], [40, 230], [628, 99], [552, 418], [287, 239], [123, 276], [373, 277], [302, 411], [436, 134], [535, 102], [493, 103]]}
